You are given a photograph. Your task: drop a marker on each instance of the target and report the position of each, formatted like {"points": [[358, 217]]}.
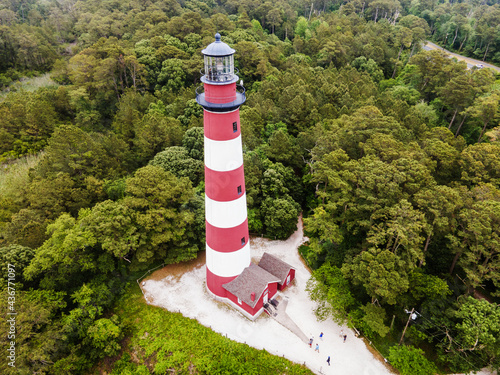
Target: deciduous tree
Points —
{"points": [[328, 287]]}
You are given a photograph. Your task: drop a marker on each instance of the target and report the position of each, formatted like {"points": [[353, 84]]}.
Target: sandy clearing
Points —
{"points": [[181, 288]]}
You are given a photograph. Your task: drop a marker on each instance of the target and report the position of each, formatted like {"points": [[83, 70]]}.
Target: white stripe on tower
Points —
{"points": [[226, 214], [223, 156], [228, 264]]}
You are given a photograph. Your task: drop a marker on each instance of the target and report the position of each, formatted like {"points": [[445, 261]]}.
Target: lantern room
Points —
{"points": [[219, 92], [219, 63]]}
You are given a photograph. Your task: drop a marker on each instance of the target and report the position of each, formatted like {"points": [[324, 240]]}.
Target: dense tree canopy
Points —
{"points": [[390, 153]]}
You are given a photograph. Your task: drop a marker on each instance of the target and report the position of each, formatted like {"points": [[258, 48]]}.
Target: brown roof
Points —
{"points": [[275, 266], [252, 279]]}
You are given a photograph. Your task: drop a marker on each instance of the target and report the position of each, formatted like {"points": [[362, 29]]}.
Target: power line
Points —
{"points": [[454, 341]]}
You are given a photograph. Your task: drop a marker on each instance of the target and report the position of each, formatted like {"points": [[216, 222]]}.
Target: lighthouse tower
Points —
{"points": [[227, 243]]}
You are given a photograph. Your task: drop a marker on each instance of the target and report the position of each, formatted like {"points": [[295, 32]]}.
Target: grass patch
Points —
{"points": [[14, 175], [30, 84], [158, 341]]}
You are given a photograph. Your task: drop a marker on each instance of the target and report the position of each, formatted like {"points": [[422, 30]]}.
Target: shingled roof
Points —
{"points": [[275, 266], [253, 279]]}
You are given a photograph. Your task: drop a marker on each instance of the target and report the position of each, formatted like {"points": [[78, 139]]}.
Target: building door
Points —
{"points": [[265, 296]]}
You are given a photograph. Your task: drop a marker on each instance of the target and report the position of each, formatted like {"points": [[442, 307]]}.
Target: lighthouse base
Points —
{"points": [[214, 284], [234, 305]]}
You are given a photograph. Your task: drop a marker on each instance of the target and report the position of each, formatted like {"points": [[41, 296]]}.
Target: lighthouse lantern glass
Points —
{"points": [[219, 68]]}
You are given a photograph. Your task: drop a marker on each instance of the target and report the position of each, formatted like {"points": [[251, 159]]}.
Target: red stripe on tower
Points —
{"points": [[227, 239], [224, 186], [227, 245], [222, 126]]}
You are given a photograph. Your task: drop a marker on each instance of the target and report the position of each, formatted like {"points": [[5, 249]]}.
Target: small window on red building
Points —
{"points": [[242, 241], [235, 127], [239, 190]]}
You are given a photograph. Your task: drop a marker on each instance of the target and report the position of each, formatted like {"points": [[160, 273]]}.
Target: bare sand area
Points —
{"points": [[181, 288]]}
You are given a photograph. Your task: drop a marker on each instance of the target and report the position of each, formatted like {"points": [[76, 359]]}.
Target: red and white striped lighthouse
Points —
{"points": [[227, 243]]}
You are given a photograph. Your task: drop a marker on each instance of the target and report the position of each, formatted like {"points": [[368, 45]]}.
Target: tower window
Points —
{"points": [[239, 190], [243, 241], [235, 127]]}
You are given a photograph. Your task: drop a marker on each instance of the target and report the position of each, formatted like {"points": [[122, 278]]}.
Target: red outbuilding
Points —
{"points": [[257, 284], [275, 266], [251, 290]]}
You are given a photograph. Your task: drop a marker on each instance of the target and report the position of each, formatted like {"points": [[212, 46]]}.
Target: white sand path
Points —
{"points": [[186, 293]]}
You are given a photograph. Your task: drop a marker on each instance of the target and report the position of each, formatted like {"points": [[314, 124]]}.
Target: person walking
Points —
{"points": [[328, 360], [345, 337], [317, 348], [310, 343], [321, 335]]}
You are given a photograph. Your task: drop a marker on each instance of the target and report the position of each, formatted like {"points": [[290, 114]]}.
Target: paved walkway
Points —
{"points": [[282, 318]]}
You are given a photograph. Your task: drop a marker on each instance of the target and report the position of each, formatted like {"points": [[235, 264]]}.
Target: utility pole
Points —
{"points": [[392, 322], [410, 315]]}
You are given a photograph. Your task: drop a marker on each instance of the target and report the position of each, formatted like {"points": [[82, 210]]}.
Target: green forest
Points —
{"points": [[391, 154]]}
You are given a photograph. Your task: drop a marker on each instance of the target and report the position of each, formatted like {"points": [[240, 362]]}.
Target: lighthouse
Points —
{"points": [[227, 242]]}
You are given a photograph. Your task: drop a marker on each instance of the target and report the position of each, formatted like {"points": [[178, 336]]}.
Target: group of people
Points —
{"points": [[342, 335]]}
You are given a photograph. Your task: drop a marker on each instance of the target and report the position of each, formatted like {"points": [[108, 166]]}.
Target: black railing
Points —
{"points": [[228, 103]]}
